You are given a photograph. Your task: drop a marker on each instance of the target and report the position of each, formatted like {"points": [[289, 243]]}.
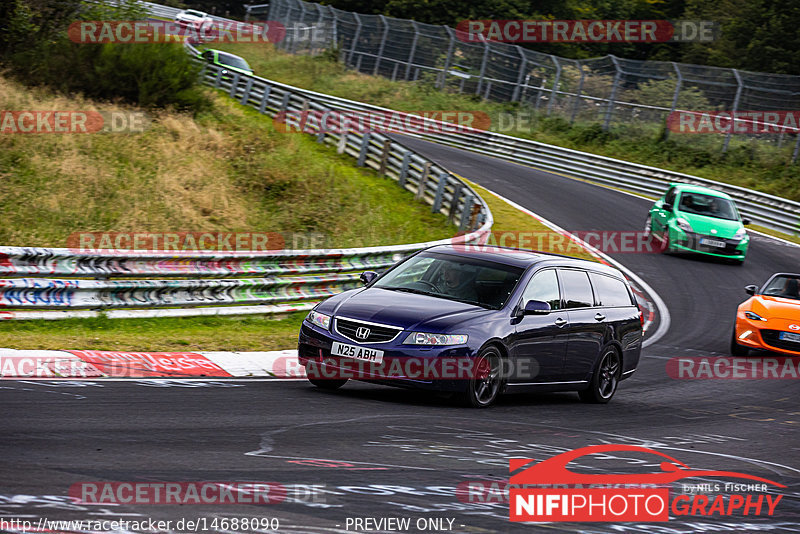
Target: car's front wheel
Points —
{"points": [[324, 383], [605, 378], [486, 382]]}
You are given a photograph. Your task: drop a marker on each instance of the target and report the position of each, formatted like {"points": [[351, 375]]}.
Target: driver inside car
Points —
{"points": [[458, 282]]}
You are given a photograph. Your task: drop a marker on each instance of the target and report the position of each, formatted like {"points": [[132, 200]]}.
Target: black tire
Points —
{"points": [[605, 378], [736, 349], [485, 385], [328, 384]]}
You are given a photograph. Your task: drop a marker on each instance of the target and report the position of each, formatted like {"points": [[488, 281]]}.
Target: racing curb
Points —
{"points": [[96, 364]]}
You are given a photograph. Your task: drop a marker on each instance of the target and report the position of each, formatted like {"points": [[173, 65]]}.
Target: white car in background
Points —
{"points": [[191, 17]]}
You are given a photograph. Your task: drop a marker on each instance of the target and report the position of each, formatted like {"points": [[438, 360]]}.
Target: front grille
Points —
{"points": [[693, 242], [376, 333], [770, 337]]}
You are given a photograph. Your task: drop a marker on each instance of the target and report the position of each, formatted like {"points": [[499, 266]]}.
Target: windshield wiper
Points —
{"points": [[409, 290]]}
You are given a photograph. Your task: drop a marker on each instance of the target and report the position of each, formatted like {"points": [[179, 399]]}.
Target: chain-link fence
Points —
{"points": [[609, 90]]}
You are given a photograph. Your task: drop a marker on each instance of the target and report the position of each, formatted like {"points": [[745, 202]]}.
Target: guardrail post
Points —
{"points": [[465, 213], [218, 79], [246, 96], [355, 39], [387, 148], [401, 180], [382, 45], [262, 108], [612, 98], [577, 98], [734, 110], [423, 181], [362, 155], [483, 68], [413, 49], [234, 84], [675, 96], [342, 144], [796, 149], [521, 74], [448, 58], [474, 216], [437, 201], [451, 215], [285, 102], [554, 93]]}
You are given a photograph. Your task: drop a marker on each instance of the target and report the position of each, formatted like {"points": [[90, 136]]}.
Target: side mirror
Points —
{"points": [[751, 290], [536, 307], [667, 206], [745, 221], [367, 277]]}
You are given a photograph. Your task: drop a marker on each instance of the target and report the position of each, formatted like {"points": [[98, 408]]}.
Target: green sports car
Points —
{"points": [[229, 62], [690, 218]]}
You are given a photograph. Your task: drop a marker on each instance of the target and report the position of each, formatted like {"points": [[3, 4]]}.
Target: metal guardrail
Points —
{"points": [[56, 279], [761, 208]]}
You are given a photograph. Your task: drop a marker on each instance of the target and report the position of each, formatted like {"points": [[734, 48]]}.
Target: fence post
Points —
{"points": [[294, 30], [448, 58], [734, 110], [382, 45], [521, 75], [465, 213], [437, 202], [483, 67], [610, 106], [675, 96], [577, 99], [265, 100], [246, 95], [342, 145], [234, 84], [413, 49], [362, 155], [355, 39], [796, 149], [335, 36], [218, 79], [553, 94], [401, 180], [387, 148], [285, 102], [451, 215], [423, 181]]}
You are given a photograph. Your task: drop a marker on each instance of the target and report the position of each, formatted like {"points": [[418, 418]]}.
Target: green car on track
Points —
{"points": [[229, 62], [691, 218]]}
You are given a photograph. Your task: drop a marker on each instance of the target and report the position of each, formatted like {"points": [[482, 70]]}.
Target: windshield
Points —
{"points": [[233, 61], [194, 13], [783, 286], [710, 206], [479, 282]]}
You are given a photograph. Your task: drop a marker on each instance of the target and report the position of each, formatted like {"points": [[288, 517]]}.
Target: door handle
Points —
{"points": [[599, 317], [560, 322]]}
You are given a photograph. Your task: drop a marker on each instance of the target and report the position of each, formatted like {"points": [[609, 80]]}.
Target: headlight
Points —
{"points": [[683, 224], [753, 316], [319, 319], [741, 233], [422, 338]]}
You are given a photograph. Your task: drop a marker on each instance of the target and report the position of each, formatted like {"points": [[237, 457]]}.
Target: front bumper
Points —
{"points": [[410, 366], [683, 241], [763, 335]]}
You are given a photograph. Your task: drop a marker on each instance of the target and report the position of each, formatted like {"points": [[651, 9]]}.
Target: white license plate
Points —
{"points": [[357, 353], [788, 336], [712, 243]]}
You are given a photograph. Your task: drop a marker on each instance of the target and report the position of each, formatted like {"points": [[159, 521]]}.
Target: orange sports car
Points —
{"points": [[770, 318]]}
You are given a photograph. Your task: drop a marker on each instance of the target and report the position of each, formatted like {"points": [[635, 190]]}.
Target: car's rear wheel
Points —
{"points": [[605, 378], [486, 381], [736, 349]]}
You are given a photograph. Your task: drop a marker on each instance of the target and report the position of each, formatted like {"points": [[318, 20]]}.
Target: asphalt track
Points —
{"points": [[379, 452]]}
